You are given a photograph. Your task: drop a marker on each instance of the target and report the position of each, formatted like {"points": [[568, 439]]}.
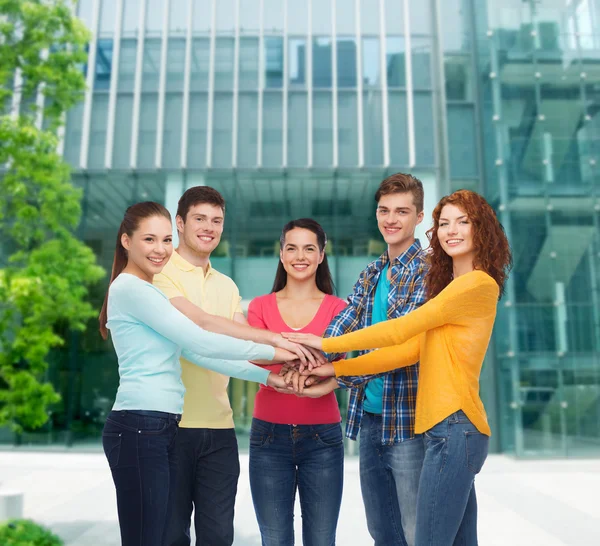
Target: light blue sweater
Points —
{"points": [[150, 335]]}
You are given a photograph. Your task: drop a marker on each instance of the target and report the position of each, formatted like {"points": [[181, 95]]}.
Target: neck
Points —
{"points": [[300, 290], [134, 270], [196, 259], [395, 250], [462, 265]]}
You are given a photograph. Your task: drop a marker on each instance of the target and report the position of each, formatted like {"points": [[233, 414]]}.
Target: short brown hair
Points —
{"points": [[402, 183], [199, 195]]}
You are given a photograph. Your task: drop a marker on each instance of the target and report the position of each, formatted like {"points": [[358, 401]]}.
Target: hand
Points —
{"points": [[308, 357], [309, 340], [326, 370], [322, 388], [278, 383], [282, 355], [296, 381]]}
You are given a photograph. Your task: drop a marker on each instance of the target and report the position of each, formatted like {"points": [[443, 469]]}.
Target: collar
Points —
{"points": [[404, 259], [181, 263]]}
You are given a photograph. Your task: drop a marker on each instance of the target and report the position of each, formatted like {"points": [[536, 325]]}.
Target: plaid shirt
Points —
{"points": [[407, 292]]}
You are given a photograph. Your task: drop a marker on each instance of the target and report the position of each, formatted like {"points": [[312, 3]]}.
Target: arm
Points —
{"points": [[256, 322]]}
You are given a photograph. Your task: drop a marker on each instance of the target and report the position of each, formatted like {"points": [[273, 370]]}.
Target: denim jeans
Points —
{"points": [[286, 458], [389, 479], [447, 507], [139, 446], [208, 468]]}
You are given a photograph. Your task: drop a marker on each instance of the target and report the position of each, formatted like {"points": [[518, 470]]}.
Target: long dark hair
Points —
{"points": [[323, 278], [131, 221]]}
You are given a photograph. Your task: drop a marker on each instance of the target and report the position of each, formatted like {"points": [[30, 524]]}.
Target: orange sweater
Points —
{"points": [[449, 335]]}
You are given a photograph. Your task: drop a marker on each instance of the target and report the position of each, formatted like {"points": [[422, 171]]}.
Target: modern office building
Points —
{"points": [[296, 108]]}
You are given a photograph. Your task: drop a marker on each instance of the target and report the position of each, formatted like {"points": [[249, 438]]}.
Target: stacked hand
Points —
{"points": [[287, 350]]}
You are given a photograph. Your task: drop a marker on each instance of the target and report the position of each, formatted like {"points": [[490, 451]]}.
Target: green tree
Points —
{"points": [[47, 271]]}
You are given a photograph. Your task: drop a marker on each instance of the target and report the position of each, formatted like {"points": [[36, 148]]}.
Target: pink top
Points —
{"points": [[288, 409]]}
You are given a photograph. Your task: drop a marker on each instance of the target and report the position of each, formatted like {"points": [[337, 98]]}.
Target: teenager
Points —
{"points": [[208, 461], [149, 334], [469, 262], [296, 443]]}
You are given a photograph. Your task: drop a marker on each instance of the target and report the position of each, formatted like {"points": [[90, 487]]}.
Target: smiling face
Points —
{"points": [[149, 247], [397, 218], [300, 254], [455, 233], [201, 232]]}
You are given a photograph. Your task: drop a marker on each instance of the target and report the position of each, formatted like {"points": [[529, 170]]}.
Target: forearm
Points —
{"points": [[232, 368]]}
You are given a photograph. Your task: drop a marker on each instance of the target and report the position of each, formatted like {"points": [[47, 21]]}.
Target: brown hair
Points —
{"points": [[131, 221], [197, 196], [323, 276], [492, 250], [402, 183]]}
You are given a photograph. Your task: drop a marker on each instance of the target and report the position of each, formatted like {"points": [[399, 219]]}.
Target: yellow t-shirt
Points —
{"points": [[449, 335], [206, 403]]}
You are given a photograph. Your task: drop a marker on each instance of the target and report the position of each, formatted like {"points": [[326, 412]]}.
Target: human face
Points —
{"points": [[149, 247], [300, 254], [201, 232], [455, 233], [397, 218]]}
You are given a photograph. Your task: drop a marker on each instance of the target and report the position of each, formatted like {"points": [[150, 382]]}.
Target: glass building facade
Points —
{"points": [[296, 108]]}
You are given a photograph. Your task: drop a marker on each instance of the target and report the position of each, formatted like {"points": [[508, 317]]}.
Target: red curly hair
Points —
{"points": [[492, 251]]}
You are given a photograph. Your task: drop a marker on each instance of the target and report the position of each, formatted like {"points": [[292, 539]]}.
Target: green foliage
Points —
{"points": [[27, 533], [45, 282]]}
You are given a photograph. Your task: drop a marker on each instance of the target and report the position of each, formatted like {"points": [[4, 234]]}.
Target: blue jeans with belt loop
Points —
{"points": [[139, 446], [447, 506]]}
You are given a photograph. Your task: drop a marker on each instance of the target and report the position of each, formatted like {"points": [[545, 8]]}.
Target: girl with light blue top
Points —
{"points": [[149, 336]]}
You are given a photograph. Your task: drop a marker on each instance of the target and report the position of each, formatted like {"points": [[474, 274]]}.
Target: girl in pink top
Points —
{"points": [[296, 442]]}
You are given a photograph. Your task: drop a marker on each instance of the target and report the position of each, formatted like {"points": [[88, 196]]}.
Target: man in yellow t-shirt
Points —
{"points": [[207, 453]]}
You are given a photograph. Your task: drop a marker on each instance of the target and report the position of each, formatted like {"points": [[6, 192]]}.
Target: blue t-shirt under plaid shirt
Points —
{"points": [[407, 292]]}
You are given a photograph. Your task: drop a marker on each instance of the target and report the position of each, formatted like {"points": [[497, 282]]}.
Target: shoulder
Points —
{"points": [[129, 287], [476, 283], [333, 305], [225, 282], [261, 302]]}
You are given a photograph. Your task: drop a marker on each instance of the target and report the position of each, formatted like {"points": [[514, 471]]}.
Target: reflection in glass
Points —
{"points": [[398, 123], [424, 137], [297, 62], [98, 131], [321, 51], [346, 62], [347, 129], [395, 61], [127, 61], [222, 129], [172, 131], [247, 129], [297, 129], [370, 62], [421, 63], [73, 134], [151, 64], [104, 55], [224, 51], [372, 127], [273, 62], [123, 131], [461, 141], [322, 129], [147, 133], [175, 64], [200, 64], [457, 72], [196, 152], [272, 136]]}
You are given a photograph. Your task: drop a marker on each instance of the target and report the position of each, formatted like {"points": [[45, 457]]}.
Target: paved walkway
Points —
{"points": [[521, 503]]}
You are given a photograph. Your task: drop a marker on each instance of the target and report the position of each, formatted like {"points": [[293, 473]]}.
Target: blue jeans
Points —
{"points": [[447, 507], [389, 479], [286, 458], [208, 468], [139, 446]]}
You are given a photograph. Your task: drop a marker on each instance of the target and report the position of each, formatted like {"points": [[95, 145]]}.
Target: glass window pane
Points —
{"points": [[147, 136], [127, 64], [272, 129], [297, 129], [370, 62], [424, 136], [396, 61], [398, 122], [200, 64], [345, 19], [197, 130], [178, 17], [322, 129], [151, 65], [273, 62], [175, 64], [224, 63], [321, 17], [372, 128], [202, 16], [98, 131], [73, 134], [369, 16], [123, 131], [297, 62], [225, 18], [131, 17], [346, 62], [223, 120], [248, 77], [394, 16], [273, 16], [249, 16], [104, 56], [297, 16], [421, 63], [458, 78], [321, 62], [155, 10], [461, 141], [107, 17], [347, 129], [85, 11], [172, 130], [420, 18], [247, 129]]}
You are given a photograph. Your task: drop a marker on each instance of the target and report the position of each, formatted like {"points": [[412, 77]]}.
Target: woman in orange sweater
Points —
{"points": [[469, 262]]}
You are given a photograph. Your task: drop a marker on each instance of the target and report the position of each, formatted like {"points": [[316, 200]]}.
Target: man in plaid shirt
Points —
{"points": [[382, 407]]}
